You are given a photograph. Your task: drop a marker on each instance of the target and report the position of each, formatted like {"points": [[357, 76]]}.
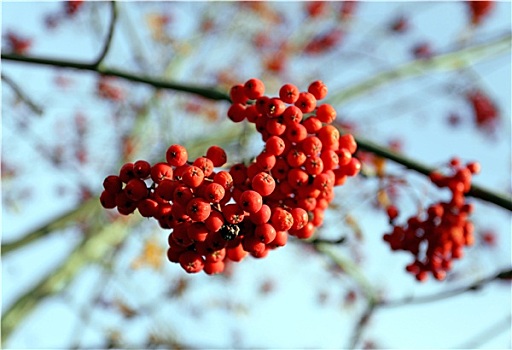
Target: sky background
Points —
{"points": [[220, 312]]}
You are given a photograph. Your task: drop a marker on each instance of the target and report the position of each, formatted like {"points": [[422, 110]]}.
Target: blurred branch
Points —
{"points": [[454, 60], [87, 209], [489, 333], [476, 191], [110, 35], [17, 90], [502, 275], [207, 92], [93, 248]]}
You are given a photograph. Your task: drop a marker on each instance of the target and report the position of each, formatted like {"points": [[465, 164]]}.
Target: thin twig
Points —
{"points": [[110, 35], [17, 90], [477, 285]]}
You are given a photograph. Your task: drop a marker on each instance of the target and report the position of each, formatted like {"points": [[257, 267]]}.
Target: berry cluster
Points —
{"points": [[439, 235], [223, 216]]}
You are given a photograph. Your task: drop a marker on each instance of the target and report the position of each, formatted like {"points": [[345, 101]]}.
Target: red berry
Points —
{"points": [[251, 201], [254, 88], [214, 192], [265, 233], [113, 184], [136, 190], [176, 155], [326, 113], [198, 209], [141, 169], [318, 89], [263, 183], [217, 155], [192, 176], [161, 171], [192, 262], [306, 102], [289, 93]]}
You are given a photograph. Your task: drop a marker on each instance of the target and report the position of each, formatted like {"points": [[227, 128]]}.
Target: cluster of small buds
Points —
{"points": [[438, 236], [251, 209]]}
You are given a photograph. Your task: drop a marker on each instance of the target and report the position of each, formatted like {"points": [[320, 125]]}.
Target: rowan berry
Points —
{"points": [[176, 155], [306, 102], [312, 125], [182, 195], [280, 169], [296, 132], [329, 136], [263, 183], [295, 158], [326, 113], [215, 221], [198, 209], [281, 219], [214, 192], [265, 233], [197, 231], [297, 178], [193, 176], [224, 179], [212, 268], [238, 173], [348, 142], [275, 126], [305, 232], [289, 93], [300, 218], [136, 189], [330, 159], [275, 145], [280, 240], [191, 262], [233, 214], [125, 205], [113, 184], [274, 108], [254, 88], [142, 169], [161, 171], [314, 165], [311, 146], [237, 94], [352, 168], [108, 199], [236, 113], [251, 201], [265, 161], [126, 172], [236, 253], [262, 216], [217, 155], [318, 89]]}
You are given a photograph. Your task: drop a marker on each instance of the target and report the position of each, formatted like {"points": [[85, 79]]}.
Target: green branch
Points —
{"points": [[451, 61], [94, 247], [86, 210]]}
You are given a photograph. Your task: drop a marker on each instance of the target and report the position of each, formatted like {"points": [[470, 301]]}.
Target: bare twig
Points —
{"points": [[22, 96], [110, 35], [477, 285]]}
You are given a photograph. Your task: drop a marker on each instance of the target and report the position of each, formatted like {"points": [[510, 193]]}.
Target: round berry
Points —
{"points": [[306, 102], [254, 88], [161, 171], [198, 209], [176, 155], [263, 183], [251, 201], [318, 89], [289, 93], [192, 262], [217, 155]]}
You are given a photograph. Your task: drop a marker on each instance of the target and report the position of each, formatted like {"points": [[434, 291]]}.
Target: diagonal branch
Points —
{"points": [[477, 285], [22, 96]]}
